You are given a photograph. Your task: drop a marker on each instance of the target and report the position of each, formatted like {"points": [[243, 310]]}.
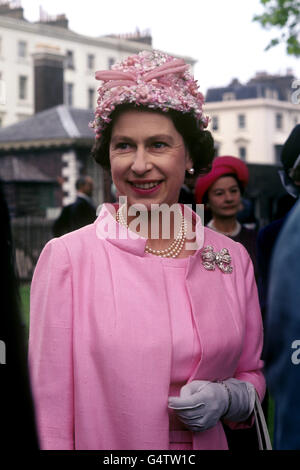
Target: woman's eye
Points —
{"points": [[122, 146], [159, 145]]}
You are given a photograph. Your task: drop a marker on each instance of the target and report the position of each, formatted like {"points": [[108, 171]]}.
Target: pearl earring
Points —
{"points": [[191, 171]]}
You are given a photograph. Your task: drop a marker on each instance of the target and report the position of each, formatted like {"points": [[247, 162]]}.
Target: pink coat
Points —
{"points": [[100, 342]]}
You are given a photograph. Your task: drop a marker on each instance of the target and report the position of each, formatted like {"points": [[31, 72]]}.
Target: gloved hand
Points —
{"points": [[202, 403]]}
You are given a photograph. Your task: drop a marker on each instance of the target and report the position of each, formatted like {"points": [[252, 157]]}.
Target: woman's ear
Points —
{"points": [[189, 162]]}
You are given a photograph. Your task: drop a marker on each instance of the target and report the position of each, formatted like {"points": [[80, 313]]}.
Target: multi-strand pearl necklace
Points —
{"points": [[176, 246]]}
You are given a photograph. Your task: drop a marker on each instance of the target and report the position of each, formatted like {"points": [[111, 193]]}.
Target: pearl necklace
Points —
{"points": [[176, 246]]}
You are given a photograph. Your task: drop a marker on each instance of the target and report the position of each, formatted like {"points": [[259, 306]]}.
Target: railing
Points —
{"points": [[30, 234]]}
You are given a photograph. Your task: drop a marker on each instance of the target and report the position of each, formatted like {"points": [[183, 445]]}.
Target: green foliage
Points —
{"points": [[284, 15]]}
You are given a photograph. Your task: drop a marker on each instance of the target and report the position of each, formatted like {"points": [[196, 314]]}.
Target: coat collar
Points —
{"points": [[107, 228]]}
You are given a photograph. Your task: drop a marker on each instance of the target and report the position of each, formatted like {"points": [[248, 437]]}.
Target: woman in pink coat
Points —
{"points": [[145, 326]]}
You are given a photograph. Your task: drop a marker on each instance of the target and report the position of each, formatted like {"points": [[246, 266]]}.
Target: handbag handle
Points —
{"points": [[264, 441]]}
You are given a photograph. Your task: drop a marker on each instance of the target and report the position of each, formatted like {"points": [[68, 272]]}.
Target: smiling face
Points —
{"points": [[148, 158], [224, 197]]}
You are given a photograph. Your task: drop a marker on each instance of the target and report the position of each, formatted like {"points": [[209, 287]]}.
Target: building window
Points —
{"points": [[70, 60], [22, 49], [111, 62], [23, 87], [91, 98], [243, 153], [277, 151], [69, 94], [91, 61], [279, 121], [228, 96], [272, 94], [241, 121], [215, 123]]}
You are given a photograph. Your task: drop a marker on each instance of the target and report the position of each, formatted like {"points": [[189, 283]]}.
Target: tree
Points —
{"points": [[285, 15]]}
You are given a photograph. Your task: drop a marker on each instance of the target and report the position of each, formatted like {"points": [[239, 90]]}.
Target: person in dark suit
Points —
{"points": [[78, 214], [267, 236], [17, 409], [282, 344], [266, 243]]}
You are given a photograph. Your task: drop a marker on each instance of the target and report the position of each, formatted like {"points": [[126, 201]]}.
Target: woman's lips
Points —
{"points": [[141, 190], [230, 207]]}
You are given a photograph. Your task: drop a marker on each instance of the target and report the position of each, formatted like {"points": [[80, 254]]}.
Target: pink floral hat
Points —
{"points": [[150, 78]]}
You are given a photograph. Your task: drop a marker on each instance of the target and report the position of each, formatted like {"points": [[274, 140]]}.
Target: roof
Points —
{"points": [[13, 169], [59, 125], [242, 92]]}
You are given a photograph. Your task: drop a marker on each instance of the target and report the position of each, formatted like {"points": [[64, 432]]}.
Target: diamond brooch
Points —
{"points": [[211, 259]]}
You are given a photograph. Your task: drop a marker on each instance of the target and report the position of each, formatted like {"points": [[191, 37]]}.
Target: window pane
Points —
{"points": [[91, 97], [215, 123], [70, 60], [228, 96], [111, 62], [91, 61], [241, 121], [22, 49], [242, 153], [278, 121], [22, 87]]}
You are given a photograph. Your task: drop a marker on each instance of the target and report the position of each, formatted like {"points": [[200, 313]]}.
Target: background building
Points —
{"points": [[45, 66], [47, 99], [21, 42], [253, 121]]}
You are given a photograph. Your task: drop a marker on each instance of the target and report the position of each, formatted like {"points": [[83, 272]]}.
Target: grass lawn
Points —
{"points": [[25, 294]]}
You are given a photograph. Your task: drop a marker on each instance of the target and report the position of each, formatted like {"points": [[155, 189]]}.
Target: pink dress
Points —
{"points": [[103, 349], [185, 342]]}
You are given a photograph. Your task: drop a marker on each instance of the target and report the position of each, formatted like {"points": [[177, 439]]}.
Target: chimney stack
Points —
{"points": [[12, 9], [48, 77], [54, 20]]}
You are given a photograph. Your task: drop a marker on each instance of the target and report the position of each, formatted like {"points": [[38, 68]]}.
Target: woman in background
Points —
{"points": [[221, 191]]}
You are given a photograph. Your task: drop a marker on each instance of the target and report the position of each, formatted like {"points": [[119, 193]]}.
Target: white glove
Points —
{"points": [[202, 403]]}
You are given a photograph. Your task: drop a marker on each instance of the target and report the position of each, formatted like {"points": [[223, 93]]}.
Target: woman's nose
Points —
{"points": [[141, 163], [229, 197]]}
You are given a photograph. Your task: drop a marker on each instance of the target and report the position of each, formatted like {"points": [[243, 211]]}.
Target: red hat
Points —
{"points": [[221, 166]]}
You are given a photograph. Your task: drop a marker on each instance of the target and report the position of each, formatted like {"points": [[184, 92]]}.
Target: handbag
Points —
{"points": [[264, 441]]}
